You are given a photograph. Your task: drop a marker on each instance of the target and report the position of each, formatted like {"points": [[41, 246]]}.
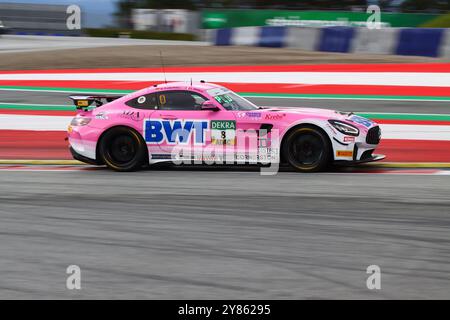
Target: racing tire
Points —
{"points": [[123, 149], [307, 149]]}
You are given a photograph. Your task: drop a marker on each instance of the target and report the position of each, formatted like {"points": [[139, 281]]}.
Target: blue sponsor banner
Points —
{"points": [[223, 37], [336, 39], [272, 37], [419, 42], [174, 132]]}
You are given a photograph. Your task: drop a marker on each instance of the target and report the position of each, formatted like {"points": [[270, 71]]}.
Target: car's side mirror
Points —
{"points": [[209, 105]]}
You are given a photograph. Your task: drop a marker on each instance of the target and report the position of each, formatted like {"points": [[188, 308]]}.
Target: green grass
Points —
{"points": [[439, 22]]}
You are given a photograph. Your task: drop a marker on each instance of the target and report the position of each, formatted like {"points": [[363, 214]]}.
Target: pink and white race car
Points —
{"points": [[207, 123]]}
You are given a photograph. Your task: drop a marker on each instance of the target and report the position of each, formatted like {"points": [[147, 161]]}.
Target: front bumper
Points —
{"points": [[372, 158], [356, 149]]}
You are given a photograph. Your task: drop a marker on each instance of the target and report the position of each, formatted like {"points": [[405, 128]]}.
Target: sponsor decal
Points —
{"points": [[141, 99], [161, 157], [69, 129], [349, 139], [362, 121], [83, 103], [101, 116], [271, 155], [175, 131], [165, 88], [223, 132], [264, 142], [344, 153], [223, 125], [265, 152], [254, 115], [132, 115], [276, 116]]}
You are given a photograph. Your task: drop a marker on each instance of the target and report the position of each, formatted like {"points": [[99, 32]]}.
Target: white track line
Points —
{"points": [[35, 123], [60, 123], [415, 132], [261, 96], [423, 79]]}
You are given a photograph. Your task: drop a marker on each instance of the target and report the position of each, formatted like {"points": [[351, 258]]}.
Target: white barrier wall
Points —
{"points": [[303, 38], [375, 41], [445, 50], [246, 36]]}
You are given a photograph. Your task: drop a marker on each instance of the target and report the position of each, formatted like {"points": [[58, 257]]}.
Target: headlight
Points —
{"points": [[344, 128], [80, 121]]}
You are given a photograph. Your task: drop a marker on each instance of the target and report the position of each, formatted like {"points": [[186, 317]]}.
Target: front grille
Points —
{"points": [[373, 136]]}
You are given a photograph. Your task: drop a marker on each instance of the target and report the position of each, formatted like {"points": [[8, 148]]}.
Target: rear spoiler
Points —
{"points": [[83, 102]]}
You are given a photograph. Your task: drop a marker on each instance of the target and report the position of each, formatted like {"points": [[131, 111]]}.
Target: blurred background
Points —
{"points": [[184, 19]]}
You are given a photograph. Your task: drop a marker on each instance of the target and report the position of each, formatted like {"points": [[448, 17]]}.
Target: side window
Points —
{"points": [[148, 101], [180, 100]]}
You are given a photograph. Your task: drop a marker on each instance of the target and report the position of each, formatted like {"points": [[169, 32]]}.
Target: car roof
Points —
{"points": [[201, 86]]}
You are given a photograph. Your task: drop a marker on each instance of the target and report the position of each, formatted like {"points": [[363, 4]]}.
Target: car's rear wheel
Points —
{"points": [[122, 149], [307, 149]]}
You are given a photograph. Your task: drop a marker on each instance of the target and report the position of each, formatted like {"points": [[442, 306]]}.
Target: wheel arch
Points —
{"points": [[97, 147], [302, 125]]}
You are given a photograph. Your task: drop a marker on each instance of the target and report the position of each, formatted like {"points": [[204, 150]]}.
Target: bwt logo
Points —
{"points": [[73, 21], [175, 131]]}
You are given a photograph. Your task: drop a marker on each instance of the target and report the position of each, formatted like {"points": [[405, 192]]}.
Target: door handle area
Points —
{"points": [[168, 117]]}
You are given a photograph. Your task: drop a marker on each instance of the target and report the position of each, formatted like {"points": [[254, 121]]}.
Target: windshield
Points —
{"points": [[231, 101]]}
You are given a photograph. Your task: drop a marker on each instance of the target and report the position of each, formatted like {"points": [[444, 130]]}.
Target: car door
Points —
{"points": [[249, 124], [180, 122]]}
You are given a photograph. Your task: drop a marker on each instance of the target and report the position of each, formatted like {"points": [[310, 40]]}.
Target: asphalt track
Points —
{"points": [[434, 107], [192, 234], [189, 233]]}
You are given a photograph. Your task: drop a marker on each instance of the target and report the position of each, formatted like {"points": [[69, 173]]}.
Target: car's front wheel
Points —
{"points": [[122, 149], [307, 149]]}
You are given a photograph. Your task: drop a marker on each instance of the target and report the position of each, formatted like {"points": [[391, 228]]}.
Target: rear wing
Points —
{"points": [[84, 102]]}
